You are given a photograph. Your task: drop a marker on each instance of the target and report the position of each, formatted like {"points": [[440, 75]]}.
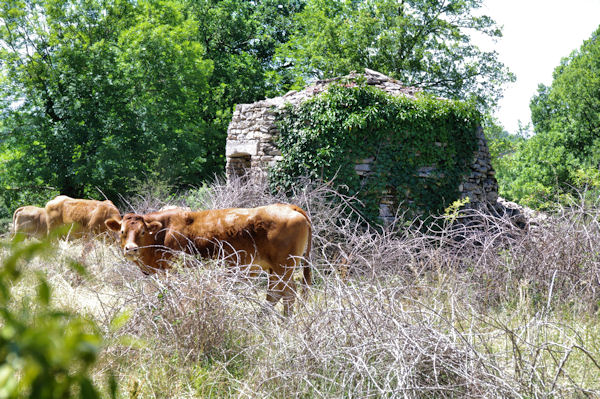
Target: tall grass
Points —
{"points": [[478, 308]]}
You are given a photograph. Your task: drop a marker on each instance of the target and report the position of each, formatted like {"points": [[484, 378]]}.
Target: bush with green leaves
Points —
{"points": [[562, 159], [325, 136], [44, 352]]}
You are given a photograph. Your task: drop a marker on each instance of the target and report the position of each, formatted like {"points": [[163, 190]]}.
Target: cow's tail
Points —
{"points": [[14, 223], [306, 271]]}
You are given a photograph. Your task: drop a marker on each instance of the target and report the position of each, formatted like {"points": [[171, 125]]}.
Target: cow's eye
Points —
{"points": [[142, 233]]}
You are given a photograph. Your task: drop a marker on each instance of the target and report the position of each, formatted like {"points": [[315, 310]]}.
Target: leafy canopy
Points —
{"points": [[424, 43], [101, 94], [502, 146]]}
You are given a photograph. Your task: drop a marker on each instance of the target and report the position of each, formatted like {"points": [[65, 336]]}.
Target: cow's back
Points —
{"points": [[89, 215], [266, 235], [289, 231], [103, 211], [54, 211], [30, 220]]}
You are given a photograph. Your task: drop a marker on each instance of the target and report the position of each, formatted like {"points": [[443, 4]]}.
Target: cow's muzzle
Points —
{"points": [[131, 250]]}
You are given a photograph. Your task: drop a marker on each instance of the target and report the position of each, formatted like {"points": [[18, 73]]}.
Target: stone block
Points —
{"points": [[274, 152], [492, 196], [362, 168], [426, 171], [239, 148]]}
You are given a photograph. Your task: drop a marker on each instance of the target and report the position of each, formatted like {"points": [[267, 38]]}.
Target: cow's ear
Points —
{"points": [[154, 227], [113, 224]]}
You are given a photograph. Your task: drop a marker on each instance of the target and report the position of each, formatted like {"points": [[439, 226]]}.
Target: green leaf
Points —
{"points": [[43, 290], [87, 389], [120, 320]]}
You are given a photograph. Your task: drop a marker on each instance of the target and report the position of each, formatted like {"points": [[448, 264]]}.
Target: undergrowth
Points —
{"points": [[473, 309]]}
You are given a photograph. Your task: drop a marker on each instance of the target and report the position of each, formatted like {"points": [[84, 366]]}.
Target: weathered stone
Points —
{"points": [[426, 171], [273, 151], [237, 148], [362, 168]]}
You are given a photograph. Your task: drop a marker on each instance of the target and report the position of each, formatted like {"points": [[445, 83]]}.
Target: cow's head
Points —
{"points": [[138, 239]]}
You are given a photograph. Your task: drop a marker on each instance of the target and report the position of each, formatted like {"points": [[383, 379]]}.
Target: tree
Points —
{"points": [[104, 93], [101, 94], [564, 154], [570, 107], [423, 43], [503, 146], [241, 37]]}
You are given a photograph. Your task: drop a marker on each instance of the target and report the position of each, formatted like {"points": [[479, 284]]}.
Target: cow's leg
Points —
{"points": [[282, 285], [274, 292], [88, 246], [289, 296]]}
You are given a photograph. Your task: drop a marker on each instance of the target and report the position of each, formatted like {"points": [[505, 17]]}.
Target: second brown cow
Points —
{"points": [[88, 216]]}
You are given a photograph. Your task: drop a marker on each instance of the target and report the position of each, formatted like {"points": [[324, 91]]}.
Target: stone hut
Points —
{"points": [[251, 148]]}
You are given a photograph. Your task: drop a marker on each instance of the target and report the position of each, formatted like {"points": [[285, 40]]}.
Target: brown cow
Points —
{"points": [[271, 237], [88, 215], [30, 220]]}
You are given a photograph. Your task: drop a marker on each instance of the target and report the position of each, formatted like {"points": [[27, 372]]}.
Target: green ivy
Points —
{"points": [[324, 137]]}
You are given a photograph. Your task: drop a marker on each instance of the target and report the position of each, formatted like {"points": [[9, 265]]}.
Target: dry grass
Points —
{"points": [[476, 309]]}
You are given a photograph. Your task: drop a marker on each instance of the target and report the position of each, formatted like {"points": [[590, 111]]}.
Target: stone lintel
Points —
{"points": [[235, 148]]}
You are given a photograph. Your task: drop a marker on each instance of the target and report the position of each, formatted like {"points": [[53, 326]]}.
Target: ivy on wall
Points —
{"points": [[421, 148]]}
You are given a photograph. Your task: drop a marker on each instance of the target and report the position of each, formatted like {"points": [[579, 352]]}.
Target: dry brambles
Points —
{"points": [[472, 310]]}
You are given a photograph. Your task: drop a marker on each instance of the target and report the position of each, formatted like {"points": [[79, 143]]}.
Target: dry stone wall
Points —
{"points": [[251, 148]]}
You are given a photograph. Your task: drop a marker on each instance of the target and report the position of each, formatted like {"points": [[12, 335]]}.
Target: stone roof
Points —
{"points": [[373, 78]]}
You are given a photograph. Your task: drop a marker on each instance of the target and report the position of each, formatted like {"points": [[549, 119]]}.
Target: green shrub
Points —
{"points": [[325, 136], [44, 352]]}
